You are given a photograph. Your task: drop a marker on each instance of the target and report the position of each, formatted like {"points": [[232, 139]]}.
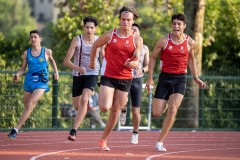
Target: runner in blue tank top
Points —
{"points": [[35, 84]]}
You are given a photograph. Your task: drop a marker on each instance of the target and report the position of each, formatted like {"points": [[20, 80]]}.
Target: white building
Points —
{"points": [[44, 10]]}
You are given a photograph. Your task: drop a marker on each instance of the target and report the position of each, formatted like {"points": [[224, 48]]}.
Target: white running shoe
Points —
{"points": [[134, 139], [122, 117], [159, 146]]}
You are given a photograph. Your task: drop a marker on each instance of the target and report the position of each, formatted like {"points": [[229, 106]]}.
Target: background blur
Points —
{"points": [[213, 24]]}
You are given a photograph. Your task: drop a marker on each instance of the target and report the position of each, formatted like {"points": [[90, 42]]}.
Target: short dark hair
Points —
{"points": [[136, 25], [127, 9], [180, 16], [35, 31], [90, 19]]}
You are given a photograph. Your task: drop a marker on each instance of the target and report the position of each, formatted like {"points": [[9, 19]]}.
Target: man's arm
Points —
{"points": [[53, 63], [134, 60], [192, 64], [102, 53], [101, 41], [146, 59], [67, 60], [21, 71], [156, 51]]}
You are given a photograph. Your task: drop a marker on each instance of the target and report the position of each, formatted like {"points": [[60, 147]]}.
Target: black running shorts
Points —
{"points": [[120, 84], [82, 82], [169, 84], [136, 92]]}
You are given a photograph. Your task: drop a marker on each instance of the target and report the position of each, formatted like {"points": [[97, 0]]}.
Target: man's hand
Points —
{"points": [[200, 83], [149, 85], [56, 76], [15, 78], [131, 64], [82, 70], [91, 65]]}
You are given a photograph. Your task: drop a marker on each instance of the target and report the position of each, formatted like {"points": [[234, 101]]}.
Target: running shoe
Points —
{"points": [[72, 135], [159, 146], [123, 116], [12, 134], [134, 139], [103, 145]]}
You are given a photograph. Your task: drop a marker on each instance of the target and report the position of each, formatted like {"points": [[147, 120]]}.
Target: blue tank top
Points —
{"points": [[37, 66]]}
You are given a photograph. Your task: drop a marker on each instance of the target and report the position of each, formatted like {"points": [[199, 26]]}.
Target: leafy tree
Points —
{"points": [[221, 57], [70, 24], [15, 17], [15, 24], [222, 38], [11, 49], [194, 11]]}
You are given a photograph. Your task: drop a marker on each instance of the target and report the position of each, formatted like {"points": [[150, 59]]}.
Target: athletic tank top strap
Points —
{"points": [[169, 36], [29, 53], [79, 40], [115, 32], [43, 52], [185, 36]]}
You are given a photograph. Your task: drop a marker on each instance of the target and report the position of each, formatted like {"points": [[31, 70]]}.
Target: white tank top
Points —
{"points": [[103, 67], [84, 58], [140, 65]]}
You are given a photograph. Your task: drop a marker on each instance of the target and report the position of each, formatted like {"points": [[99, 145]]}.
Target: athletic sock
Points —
{"points": [[124, 110], [73, 131], [16, 129], [135, 132]]}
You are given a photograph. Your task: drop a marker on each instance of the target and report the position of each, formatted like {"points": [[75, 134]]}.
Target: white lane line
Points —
{"points": [[50, 153], [61, 151], [199, 150]]}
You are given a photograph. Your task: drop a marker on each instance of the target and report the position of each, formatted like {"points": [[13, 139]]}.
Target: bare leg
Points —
{"points": [[30, 101], [105, 98], [119, 100], [82, 109], [136, 119], [159, 107], [173, 105], [76, 102]]}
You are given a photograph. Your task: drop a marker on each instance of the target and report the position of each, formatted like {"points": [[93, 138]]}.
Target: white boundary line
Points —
{"points": [[148, 158], [51, 153], [199, 150]]}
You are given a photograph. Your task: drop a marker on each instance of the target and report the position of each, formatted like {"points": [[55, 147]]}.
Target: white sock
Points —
{"points": [[16, 129]]}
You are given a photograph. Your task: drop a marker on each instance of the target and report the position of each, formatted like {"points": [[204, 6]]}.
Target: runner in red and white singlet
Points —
{"points": [[177, 51], [117, 51], [174, 56], [123, 49]]}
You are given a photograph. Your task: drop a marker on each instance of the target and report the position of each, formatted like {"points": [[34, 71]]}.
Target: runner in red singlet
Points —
{"points": [[122, 52], [176, 52]]}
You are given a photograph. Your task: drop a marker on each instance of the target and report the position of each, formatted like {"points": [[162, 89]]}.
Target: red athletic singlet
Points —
{"points": [[174, 57], [117, 51]]}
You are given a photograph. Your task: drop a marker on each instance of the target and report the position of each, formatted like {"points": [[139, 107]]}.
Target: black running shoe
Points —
{"points": [[72, 135], [12, 134]]}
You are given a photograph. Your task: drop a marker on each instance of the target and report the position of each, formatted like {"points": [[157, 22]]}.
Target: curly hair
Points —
{"points": [[90, 19], [127, 9], [180, 17]]}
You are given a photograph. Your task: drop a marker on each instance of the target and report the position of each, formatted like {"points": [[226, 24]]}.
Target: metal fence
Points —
{"points": [[218, 107]]}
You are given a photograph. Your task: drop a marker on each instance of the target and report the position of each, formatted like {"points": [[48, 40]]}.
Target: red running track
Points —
{"points": [[180, 145]]}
